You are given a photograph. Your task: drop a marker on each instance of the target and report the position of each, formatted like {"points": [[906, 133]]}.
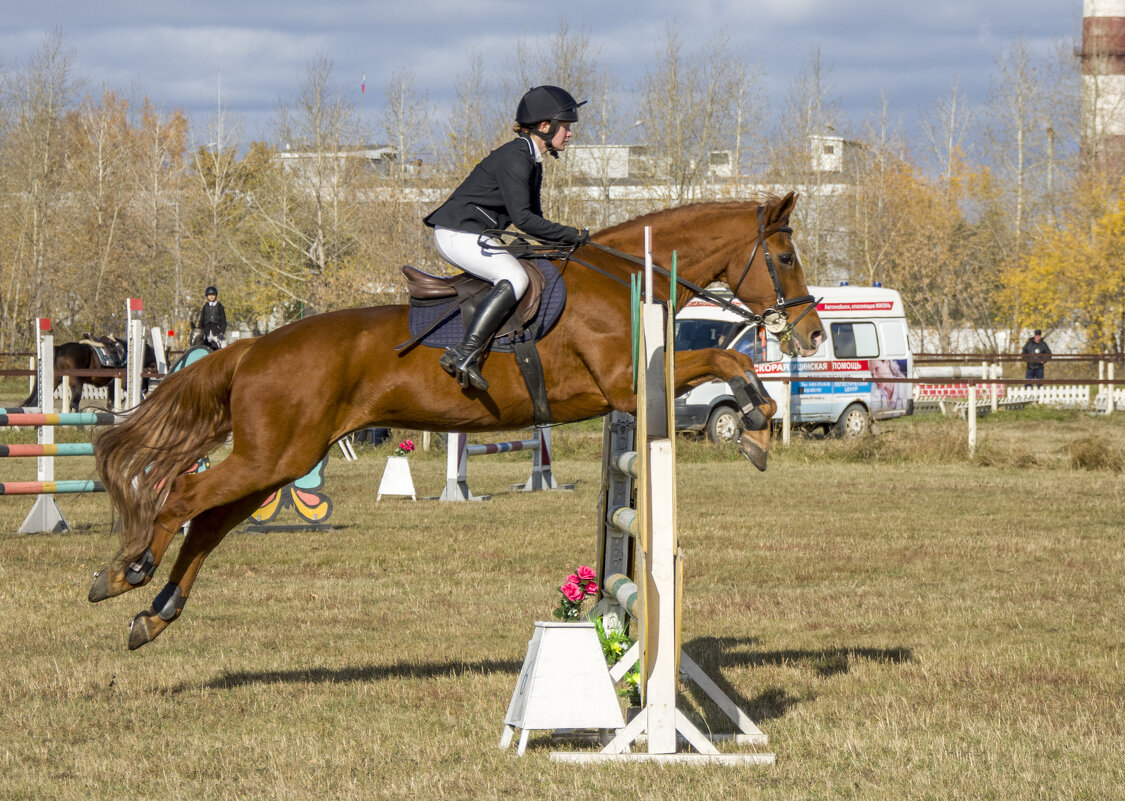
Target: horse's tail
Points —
{"points": [[33, 398], [183, 420]]}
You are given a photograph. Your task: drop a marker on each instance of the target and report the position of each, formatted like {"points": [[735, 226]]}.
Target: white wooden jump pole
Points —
{"points": [[458, 452], [653, 598], [135, 347]]}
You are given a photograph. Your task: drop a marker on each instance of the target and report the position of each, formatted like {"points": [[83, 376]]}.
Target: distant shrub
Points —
{"points": [[1091, 453]]}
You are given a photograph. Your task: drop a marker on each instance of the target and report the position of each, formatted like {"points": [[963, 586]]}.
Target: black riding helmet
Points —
{"points": [[210, 291], [547, 103]]}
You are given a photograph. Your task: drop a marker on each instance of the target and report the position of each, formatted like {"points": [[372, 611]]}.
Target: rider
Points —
{"points": [[213, 318], [503, 189]]}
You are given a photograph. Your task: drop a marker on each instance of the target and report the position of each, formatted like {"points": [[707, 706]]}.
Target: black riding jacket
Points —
{"points": [[502, 190], [213, 318]]}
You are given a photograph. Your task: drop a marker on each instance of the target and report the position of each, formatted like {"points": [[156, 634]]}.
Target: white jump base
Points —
{"points": [[458, 452]]}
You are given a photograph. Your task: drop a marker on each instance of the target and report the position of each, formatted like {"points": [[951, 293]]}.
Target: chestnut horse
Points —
{"points": [[351, 377]]}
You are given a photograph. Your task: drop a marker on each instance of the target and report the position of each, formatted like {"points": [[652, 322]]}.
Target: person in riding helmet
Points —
{"points": [[502, 190], [213, 318]]}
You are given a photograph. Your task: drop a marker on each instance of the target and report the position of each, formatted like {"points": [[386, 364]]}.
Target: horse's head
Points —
{"points": [[772, 283]]}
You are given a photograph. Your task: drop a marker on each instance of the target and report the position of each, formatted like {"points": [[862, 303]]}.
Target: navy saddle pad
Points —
{"points": [[451, 329]]}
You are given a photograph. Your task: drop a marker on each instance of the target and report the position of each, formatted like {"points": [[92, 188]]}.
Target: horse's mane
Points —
{"points": [[691, 209]]}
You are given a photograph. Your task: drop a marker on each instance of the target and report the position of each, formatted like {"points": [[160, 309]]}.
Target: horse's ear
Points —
{"points": [[785, 207]]}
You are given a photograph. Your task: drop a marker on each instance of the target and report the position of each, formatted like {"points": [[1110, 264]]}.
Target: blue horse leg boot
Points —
{"points": [[749, 395]]}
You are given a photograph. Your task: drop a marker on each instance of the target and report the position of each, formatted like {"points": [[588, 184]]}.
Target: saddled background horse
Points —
{"points": [[83, 356], [354, 379]]}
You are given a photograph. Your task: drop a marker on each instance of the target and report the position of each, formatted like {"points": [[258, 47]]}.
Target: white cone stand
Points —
{"points": [[396, 479], [564, 684]]}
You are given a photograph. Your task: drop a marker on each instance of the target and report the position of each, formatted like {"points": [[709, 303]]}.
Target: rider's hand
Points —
{"points": [[580, 238]]}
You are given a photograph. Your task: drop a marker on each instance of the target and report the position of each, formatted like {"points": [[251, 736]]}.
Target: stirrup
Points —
{"points": [[464, 368]]}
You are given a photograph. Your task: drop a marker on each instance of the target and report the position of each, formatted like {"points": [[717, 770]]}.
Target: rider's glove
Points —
{"points": [[580, 238]]}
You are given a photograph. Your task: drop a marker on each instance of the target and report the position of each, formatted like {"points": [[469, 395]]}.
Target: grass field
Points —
{"points": [[902, 623]]}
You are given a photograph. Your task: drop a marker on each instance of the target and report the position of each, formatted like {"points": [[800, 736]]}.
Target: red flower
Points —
{"points": [[586, 573], [592, 588], [572, 592]]}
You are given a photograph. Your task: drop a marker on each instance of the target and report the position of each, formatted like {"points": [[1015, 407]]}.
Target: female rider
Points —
{"points": [[503, 189]]}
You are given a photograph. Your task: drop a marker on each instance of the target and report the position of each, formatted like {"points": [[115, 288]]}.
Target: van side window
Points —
{"points": [[893, 334], [854, 340], [700, 334], [751, 343]]}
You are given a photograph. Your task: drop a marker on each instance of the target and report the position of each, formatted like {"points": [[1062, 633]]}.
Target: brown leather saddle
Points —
{"points": [[110, 352], [435, 301], [466, 291]]}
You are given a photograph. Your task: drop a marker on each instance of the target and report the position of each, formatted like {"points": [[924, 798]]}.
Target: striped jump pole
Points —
{"points": [[49, 487], [65, 449], [45, 516], [49, 419]]}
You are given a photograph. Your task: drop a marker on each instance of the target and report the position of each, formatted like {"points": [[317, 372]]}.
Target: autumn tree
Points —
{"points": [[304, 219], [690, 107], [804, 150], [158, 181], [1076, 277], [32, 165]]}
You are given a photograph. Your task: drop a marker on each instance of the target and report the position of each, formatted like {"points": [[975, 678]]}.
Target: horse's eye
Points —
{"points": [[786, 258]]}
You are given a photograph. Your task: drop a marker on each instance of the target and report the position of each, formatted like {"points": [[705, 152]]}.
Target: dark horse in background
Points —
{"points": [[281, 423], [83, 356]]}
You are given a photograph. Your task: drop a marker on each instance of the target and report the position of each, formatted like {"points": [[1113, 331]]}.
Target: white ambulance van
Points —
{"points": [[866, 339]]}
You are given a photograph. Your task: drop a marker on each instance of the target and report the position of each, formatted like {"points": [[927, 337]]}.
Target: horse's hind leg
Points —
{"points": [[191, 496], [206, 532], [114, 580]]}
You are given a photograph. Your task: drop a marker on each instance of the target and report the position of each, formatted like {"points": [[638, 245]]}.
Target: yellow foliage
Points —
{"points": [[1076, 275]]}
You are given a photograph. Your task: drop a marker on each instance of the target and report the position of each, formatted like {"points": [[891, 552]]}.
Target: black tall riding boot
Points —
{"points": [[462, 361]]}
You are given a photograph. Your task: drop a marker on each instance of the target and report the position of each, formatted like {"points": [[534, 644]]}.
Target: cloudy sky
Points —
{"points": [[175, 52]]}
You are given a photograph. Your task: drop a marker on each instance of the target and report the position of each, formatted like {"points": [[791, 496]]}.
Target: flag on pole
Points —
{"points": [[363, 84]]}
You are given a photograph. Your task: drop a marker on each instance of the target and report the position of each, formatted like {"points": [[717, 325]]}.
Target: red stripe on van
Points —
{"points": [[856, 305]]}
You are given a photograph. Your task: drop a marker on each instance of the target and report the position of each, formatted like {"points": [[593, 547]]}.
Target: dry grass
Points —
{"points": [[902, 626]]}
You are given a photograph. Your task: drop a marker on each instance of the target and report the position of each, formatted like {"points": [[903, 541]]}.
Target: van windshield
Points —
{"points": [[700, 334]]}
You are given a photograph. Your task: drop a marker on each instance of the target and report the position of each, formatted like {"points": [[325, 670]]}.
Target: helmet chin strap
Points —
{"points": [[548, 136]]}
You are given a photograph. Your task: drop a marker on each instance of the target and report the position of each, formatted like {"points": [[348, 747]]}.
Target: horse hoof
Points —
{"points": [[101, 589], [750, 449], [143, 629]]}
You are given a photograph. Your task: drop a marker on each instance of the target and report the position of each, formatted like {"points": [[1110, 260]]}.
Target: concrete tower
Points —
{"points": [[1103, 85]]}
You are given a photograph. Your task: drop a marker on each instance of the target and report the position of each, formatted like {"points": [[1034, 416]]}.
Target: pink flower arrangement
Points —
{"points": [[404, 448], [576, 588]]}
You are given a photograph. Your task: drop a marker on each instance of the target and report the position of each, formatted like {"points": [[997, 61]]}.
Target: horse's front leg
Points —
{"points": [[696, 367]]}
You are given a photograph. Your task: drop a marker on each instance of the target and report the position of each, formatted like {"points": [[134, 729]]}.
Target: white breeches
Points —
{"points": [[461, 249]]}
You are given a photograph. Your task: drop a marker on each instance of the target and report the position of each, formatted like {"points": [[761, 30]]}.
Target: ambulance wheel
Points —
{"points": [[854, 422], [723, 425]]}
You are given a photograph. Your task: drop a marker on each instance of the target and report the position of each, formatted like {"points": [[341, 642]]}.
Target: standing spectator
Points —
{"points": [[1037, 352], [213, 320]]}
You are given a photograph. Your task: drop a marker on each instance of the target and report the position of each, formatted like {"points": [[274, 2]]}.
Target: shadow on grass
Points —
{"points": [[713, 654], [416, 670]]}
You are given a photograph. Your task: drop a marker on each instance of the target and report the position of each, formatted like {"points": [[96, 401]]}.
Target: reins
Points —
{"points": [[774, 319]]}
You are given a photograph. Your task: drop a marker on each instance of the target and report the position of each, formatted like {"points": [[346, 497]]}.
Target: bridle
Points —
{"points": [[774, 319]]}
